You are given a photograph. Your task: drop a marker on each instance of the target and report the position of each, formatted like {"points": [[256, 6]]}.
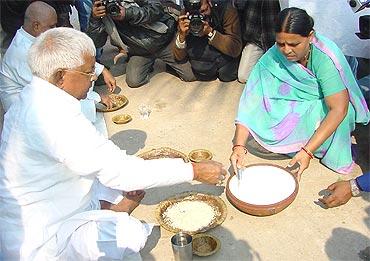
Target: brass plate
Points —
{"points": [[163, 152], [121, 118], [119, 101], [200, 155], [214, 201], [205, 244]]}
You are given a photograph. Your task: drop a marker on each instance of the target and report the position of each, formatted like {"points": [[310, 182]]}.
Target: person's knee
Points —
{"points": [[223, 77], [190, 77], [134, 81], [242, 78]]}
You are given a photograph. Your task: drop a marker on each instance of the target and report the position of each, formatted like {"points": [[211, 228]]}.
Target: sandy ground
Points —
{"points": [[187, 116]]}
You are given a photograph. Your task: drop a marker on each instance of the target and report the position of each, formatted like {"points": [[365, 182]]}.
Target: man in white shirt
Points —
{"points": [[15, 72], [51, 158]]}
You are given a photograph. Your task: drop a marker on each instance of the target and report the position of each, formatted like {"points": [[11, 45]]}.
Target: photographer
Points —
{"points": [[210, 38], [148, 32]]}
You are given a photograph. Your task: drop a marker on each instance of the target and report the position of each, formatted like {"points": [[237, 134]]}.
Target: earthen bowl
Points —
{"points": [[200, 155], [121, 118], [262, 210], [205, 244]]}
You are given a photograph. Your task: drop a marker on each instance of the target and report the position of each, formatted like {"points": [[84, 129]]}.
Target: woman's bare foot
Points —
{"points": [[127, 204]]}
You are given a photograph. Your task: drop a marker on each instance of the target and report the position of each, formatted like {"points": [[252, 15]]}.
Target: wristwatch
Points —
{"points": [[354, 188], [211, 34]]}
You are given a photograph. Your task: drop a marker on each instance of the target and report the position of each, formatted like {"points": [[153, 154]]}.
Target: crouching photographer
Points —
{"points": [[146, 27], [210, 38]]}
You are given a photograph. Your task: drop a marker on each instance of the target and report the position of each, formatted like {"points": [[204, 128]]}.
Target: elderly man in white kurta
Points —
{"points": [[15, 72], [51, 158]]}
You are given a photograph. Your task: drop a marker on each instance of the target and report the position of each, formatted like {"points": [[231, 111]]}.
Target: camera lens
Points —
{"points": [[196, 25], [112, 8]]}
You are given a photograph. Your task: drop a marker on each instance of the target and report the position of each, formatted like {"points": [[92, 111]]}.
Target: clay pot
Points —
{"points": [[261, 210]]}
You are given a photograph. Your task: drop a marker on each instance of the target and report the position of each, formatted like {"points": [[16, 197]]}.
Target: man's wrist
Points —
{"points": [[179, 44], [211, 35], [355, 190]]}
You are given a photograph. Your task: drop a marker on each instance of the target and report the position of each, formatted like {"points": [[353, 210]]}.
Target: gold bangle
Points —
{"points": [[239, 145]]}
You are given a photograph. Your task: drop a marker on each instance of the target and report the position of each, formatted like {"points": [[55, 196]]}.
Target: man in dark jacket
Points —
{"points": [[148, 33], [212, 45]]}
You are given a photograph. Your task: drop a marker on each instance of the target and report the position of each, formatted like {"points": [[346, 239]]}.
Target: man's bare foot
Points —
{"points": [[127, 204]]}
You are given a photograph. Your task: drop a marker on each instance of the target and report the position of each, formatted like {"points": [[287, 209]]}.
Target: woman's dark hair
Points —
{"points": [[294, 21]]}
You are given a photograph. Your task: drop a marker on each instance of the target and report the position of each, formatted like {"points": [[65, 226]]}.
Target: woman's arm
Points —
{"points": [[239, 151], [338, 106]]}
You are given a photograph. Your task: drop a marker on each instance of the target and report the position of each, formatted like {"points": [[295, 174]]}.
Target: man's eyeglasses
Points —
{"points": [[91, 75]]}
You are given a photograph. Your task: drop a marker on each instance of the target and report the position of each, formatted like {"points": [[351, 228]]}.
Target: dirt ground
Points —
{"points": [[187, 116]]}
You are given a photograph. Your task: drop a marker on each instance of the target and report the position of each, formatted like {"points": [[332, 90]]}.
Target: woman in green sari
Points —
{"points": [[301, 98]]}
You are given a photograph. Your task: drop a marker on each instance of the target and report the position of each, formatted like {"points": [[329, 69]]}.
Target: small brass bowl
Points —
{"points": [[200, 155], [205, 245], [121, 118]]}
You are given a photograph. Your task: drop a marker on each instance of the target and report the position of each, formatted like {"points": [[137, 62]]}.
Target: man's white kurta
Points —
{"points": [[15, 74], [14, 69], [50, 157]]}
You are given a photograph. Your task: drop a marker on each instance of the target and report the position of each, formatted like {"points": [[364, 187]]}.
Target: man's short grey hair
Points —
{"points": [[59, 48]]}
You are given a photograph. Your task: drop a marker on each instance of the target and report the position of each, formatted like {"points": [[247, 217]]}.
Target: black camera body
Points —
{"points": [[196, 18], [112, 7]]}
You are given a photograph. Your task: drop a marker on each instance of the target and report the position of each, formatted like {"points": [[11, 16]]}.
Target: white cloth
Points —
{"points": [[14, 70], [250, 56], [50, 158], [15, 74]]}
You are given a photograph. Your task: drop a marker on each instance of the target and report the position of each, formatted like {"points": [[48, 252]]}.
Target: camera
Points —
{"points": [[195, 17], [364, 21], [112, 7]]}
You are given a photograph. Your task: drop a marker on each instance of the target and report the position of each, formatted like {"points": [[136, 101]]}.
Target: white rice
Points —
{"points": [[189, 215]]}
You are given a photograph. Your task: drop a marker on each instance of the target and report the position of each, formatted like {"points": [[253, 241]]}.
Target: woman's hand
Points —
{"points": [[303, 159], [238, 158]]}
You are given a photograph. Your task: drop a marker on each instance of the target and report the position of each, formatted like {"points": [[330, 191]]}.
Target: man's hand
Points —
{"points": [[206, 28], [98, 9], [340, 194], [106, 99], [121, 15], [303, 159], [209, 171], [109, 80], [183, 27]]}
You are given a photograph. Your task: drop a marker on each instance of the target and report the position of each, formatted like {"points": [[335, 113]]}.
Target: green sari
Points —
{"points": [[283, 103]]}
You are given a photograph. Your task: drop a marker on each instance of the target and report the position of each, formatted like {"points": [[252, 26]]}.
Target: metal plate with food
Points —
{"points": [[191, 212], [118, 100], [121, 118], [200, 155], [262, 189], [163, 152]]}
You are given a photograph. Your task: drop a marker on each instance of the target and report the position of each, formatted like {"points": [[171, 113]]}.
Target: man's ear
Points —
{"points": [[35, 26], [58, 78]]}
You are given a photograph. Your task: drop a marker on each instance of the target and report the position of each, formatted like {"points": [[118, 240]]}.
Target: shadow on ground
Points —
{"points": [[130, 140]]}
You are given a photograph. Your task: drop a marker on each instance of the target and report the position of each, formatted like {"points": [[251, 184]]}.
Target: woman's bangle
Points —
{"points": [[309, 153], [239, 145]]}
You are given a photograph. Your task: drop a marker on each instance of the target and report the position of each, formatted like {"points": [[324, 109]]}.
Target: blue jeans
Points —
{"points": [[84, 8]]}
